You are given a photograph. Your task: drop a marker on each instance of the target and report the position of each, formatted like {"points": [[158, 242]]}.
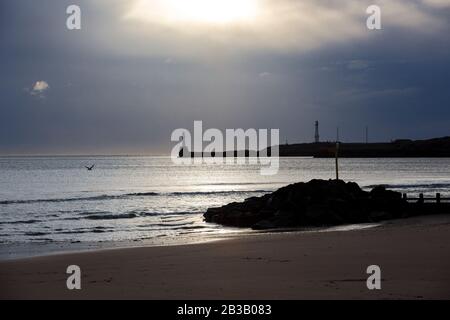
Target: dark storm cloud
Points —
{"points": [[122, 86]]}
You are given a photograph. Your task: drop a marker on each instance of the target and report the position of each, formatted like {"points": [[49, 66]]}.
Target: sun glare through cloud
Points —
{"points": [[284, 26], [196, 11]]}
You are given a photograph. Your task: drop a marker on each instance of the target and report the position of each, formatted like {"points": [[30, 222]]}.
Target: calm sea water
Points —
{"points": [[56, 200]]}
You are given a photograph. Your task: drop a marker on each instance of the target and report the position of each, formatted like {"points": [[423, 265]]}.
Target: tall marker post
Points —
{"points": [[337, 160]]}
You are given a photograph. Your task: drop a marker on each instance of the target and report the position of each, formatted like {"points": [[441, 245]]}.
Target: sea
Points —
{"points": [[50, 205]]}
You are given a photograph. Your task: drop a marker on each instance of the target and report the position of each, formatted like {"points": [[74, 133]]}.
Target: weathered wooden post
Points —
{"points": [[337, 160], [421, 200], [438, 198]]}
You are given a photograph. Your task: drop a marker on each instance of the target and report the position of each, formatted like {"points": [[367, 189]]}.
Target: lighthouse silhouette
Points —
{"points": [[316, 136]]}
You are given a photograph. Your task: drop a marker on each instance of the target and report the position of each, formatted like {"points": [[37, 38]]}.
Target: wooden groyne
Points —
{"points": [[428, 205]]}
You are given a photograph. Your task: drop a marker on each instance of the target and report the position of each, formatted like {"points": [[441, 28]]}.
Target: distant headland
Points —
{"points": [[438, 147], [433, 148]]}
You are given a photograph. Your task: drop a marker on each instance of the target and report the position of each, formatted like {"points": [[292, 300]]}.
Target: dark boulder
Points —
{"points": [[315, 203]]}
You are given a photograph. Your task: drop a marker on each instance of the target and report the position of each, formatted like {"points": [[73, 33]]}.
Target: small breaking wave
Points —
{"points": [[217, 192], [111, 216], [129, 195], [21, 222], [131, 215], [37, 234], [93, 198]]}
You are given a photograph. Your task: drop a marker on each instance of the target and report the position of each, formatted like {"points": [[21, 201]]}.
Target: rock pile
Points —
{"points": [[315, 203]]}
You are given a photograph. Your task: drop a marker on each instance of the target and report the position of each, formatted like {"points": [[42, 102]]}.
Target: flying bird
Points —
{"points": [[90, 168]]}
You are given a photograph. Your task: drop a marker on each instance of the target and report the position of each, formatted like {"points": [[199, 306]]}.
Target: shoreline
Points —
{"points": [[414, 255], [86, 247], [64, 248]]}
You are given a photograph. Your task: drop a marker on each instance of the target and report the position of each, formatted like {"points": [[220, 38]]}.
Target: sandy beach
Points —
{"points": [[414, 256]]}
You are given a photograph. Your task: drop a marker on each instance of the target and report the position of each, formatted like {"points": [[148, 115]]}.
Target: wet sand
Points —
{"points": [[414, 256]]}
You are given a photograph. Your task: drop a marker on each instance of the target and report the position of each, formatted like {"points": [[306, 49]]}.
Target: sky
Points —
{"points": [[139, 69]]}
